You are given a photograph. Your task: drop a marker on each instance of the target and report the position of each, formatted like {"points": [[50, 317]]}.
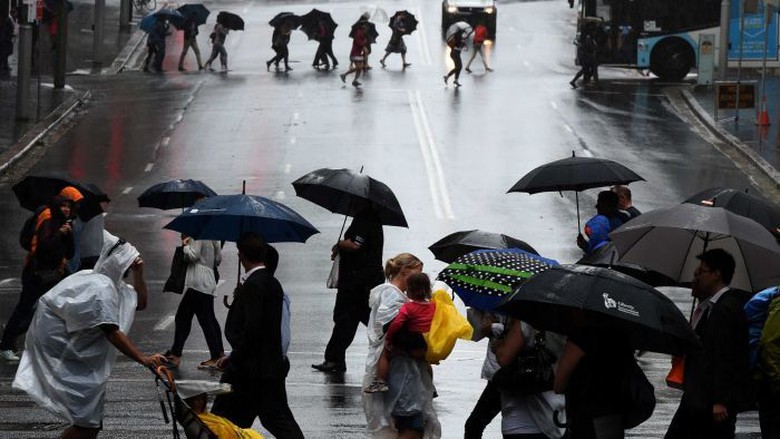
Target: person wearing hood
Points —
{"points": [[598, 228], [69, 351], [51, 247]]}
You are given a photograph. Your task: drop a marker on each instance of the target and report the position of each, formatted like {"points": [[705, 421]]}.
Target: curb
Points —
{"points": [[767, 169], [37, 132], [127, 53]]}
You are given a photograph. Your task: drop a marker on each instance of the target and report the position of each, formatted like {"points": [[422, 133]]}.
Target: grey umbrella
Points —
{"points": [[668, 241]]}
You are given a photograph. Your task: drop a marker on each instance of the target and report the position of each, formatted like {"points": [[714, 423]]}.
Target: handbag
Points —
{"points": [[532, 371], [175, 281], [333, 277]]}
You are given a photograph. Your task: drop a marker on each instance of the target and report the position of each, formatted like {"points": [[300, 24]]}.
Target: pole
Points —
{"points": [[125, 14], [723, 49], [23, 69], [97, 33], [741, 52], [768, 14], [61, 39]]}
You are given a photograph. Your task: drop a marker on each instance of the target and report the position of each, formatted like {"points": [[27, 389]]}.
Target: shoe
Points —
{"points": [[209, 364], [200, 68], [376, 386], [335, 65], [368, 67], [356, 84], [407, 65], [287, 68], [457, 84], [468, 70], [268, 66], [329, 366], [573, 84], [146, 69], [182, 69], [445, 79], [172, 361], [9, 355], [488, 69], [343, 77], [381, 61]]}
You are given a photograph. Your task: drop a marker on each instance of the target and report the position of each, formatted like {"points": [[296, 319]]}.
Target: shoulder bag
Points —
{"points": [[175, 282], [532, 371]]}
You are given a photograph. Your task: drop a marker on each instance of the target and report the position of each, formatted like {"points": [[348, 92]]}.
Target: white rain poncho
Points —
{"points": [[68, 358], [411, 387]]}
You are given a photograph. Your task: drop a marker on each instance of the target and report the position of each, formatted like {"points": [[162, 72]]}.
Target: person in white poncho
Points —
{"points": [[68, 352], [406, 410]]}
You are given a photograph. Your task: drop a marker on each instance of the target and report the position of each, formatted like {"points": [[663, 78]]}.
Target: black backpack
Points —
{"points": [[638, 396], [28, 229]]}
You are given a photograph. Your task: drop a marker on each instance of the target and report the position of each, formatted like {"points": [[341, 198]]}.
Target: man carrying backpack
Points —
{"points": [[50, 246]]}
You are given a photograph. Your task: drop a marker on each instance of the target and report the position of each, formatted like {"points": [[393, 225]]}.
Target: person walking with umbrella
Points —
{"points": [[716, 378], [218, 38], [456, 43], [358, 55], [325, 48], [279, 41], [598, 228], [396, 43], [190, 40], [480, 36], [155, 43], [360, 270]]}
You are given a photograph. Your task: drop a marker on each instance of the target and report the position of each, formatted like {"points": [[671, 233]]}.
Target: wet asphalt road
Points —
{"points": [[449, 155]]}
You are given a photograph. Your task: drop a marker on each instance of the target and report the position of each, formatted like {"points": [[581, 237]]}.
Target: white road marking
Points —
{"points": [[554, 105], [149, 167], [279, 195], [296, 116], [287, 168], [422, 39], [586, 153], [568, 128], [293, 140], [165, 323], [127, 190], [166, 140], [430, 152], [9, 281]]}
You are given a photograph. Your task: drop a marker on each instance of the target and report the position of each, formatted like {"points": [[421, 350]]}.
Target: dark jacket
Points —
{"points": [[253, 329], [719, 372], [53, 248]]}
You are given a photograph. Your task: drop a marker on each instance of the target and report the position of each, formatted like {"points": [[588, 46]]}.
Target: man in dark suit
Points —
{"points": [[257, 366], [716, 378]]}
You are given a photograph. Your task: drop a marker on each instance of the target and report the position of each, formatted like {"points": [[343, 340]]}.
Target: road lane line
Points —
{"points": [[442, 184], [554, 105], [279, 195], [287, 168], [165, 323], [127, 190], [149, 167], [426, 155], [166, 140], [568, 128], [8, 281]]}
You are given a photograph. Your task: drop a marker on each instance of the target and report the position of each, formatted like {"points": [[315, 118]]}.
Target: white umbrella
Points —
{"points": [[668, 241], [459, 26], [376, 13]]}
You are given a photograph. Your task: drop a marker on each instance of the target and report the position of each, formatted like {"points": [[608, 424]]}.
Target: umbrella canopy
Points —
{"points": [[36, 190], [230, 20], [227, 217], [197, 11], [457, 244], [286, 18], [408, 21], [147, 23], [668, 241], [174, 194], [458, 26], [606, 299], [483, 278], [607, 256], [343, 190], [574, 174], [310, 24], [752, 206], [370, 29], [375, 13]]}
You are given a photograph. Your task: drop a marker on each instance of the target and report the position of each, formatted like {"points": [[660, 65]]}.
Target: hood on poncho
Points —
{"points": [[116, 257]]}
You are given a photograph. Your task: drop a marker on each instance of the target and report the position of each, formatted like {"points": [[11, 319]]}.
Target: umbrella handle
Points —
{"points": [[225, 301]]}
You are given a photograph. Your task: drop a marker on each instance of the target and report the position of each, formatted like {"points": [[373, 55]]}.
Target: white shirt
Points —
{"points": [[706, 306]]}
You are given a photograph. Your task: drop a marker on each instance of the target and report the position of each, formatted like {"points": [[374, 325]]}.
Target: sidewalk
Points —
{"points": [[759, 144], [79, 62]]}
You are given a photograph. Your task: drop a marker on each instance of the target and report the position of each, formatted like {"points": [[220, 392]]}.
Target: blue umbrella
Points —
{"points": [[147, 23], [227, 217], [483, 278]]}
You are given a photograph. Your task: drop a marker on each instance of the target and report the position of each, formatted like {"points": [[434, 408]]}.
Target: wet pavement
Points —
{"points": [[449, 155]]}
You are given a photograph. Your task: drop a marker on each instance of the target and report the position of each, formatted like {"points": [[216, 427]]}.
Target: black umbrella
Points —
{"points": [[369, 28], [36, 190], [174, 194], [607, 256], [752, 206], [286, 18], [457, 244], [575, 174], [606, 299], [310, 23], [343, 190], [230, 20], [408, 21], [198, 11]]}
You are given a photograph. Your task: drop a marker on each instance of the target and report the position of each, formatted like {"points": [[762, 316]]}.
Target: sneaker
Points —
{"points": [[445, 79], [457, 84], [9, 355], [468, 70], [182, 69], [356, 84], [268, 66], [329, 366], [343, 78], [377, 386], [407, 65], [488, 69], [573, 84], [381, 61], [287, 68]]}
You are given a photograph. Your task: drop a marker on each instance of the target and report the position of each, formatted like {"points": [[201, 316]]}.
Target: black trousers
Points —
{"points": [[325, 50], [34, 285], [200, 305], [689, 422], [455, 56], [268, 401], [282, 53], [488, 406], [350, 310], [768, 412]]}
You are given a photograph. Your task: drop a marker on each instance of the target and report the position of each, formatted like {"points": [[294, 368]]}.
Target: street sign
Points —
{"points": [[726, 95]]}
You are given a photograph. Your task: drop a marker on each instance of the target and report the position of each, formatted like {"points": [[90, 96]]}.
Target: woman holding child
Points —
{"points": [[405, 410]]}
